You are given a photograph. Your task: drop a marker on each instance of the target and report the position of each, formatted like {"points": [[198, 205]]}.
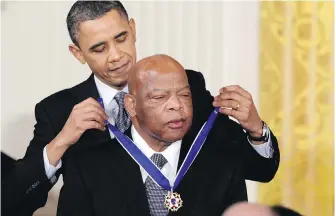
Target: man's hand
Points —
{"points": [[86, 115], [237, 102]]}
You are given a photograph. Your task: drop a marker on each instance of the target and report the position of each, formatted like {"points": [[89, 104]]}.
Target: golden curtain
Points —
{"points": [[297, 101]]}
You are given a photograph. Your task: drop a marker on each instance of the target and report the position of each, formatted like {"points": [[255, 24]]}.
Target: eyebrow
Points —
{"points": [[121, 34], [96, 45], [103, 42]]}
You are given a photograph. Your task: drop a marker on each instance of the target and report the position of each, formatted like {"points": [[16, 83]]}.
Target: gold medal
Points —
{"points": [[173, 201]]}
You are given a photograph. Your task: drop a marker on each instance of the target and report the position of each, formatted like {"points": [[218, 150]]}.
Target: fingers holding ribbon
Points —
{"points": [[238, 103], [233, 101]]}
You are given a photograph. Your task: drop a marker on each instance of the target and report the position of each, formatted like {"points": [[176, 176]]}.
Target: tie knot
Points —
{"points": [[119, 97], [122, 120], [159, 160]]}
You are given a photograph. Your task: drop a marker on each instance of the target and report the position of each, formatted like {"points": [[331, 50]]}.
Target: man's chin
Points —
{"points": [[174, 135], [171, 139], [120, 84]]}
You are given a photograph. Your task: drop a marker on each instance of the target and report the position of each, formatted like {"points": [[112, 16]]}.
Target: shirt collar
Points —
{"points": [[171, 153], [106, 92]]}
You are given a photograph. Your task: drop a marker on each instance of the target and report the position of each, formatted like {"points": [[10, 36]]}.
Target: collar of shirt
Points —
{"points": [[171, 154], [106, 92]]}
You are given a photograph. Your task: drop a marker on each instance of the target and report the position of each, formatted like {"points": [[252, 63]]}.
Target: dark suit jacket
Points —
{"points": [[7, 164], [26, 187], [105, 180]]}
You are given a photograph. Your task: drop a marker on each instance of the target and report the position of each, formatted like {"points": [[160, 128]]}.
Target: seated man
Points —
{"points": [[107, 179]]}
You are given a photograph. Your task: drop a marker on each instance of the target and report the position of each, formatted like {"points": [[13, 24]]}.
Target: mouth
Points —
{"points": [[176, 123], [120, 69]]}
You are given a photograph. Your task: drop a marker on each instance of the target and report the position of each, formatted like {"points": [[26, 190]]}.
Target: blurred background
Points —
{"points": [[281, 52]]}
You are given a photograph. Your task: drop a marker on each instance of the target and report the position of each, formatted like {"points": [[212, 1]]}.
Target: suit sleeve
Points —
{"points": [[26, 187], [74, 197], [257, 168]]}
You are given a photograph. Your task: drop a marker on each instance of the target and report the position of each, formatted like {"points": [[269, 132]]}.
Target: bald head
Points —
{"points": [[160, 101], [150, 67], [249, 209]]}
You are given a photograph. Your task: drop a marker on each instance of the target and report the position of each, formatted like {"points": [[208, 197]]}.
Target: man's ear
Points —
{"points": [[76, 51], [133, 28], [130, 104]]}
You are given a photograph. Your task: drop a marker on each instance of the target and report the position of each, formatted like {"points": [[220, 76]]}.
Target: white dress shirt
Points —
{"points": [[107, 94], [171, 153]]}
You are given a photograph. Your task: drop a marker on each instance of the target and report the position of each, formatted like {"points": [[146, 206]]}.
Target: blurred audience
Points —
{"points": [[254, 209]]}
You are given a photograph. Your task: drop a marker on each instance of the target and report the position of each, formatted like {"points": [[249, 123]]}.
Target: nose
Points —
{"points": [[174, 103], [114, 54]]}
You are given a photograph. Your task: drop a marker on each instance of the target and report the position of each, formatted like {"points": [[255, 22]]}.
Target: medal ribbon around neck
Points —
{"points": [[152, 170]]}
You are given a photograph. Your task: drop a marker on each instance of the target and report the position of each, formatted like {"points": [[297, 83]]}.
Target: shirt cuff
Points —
{"points": [[50, 170], [265, 149]]}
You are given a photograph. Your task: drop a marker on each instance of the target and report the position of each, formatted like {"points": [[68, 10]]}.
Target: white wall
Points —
{"points": [[217, 38]]}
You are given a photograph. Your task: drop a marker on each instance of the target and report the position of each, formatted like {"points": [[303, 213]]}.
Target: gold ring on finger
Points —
{"points": [[237, 106]]}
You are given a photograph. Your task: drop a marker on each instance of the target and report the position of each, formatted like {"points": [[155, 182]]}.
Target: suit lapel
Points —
{"points": [[133, 186], [188, 139], [185, 146], [187, 183]]}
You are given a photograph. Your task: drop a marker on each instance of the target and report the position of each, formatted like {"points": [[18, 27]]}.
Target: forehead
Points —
{"points": [[102, 28], [164, 81]]}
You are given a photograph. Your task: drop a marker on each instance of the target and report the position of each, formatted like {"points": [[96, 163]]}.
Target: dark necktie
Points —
{"points": [[156, 194], [122, 120]]}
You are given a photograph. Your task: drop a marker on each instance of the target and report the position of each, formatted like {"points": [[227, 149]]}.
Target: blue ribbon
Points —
{"points": [[149, 166]]}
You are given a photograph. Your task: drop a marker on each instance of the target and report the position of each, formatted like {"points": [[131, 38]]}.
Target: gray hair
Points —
{"points": [[82, 11]]}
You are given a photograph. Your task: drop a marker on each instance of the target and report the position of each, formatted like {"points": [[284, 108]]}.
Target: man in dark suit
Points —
{"points": [[105, 180], [71, 121]]}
